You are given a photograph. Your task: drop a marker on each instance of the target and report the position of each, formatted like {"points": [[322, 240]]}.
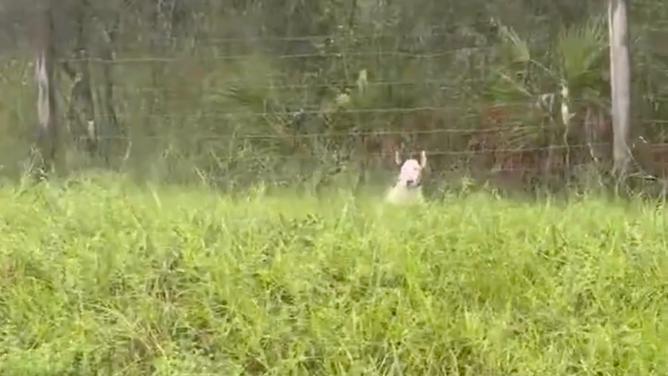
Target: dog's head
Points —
{"points": [[410, 173]]}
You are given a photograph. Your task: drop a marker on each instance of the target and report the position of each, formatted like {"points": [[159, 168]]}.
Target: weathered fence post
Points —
{"points": [[47, 131], [620, 82]]}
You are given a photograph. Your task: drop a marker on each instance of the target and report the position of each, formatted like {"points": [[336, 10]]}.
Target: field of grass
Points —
{"points": [[107, 278]]}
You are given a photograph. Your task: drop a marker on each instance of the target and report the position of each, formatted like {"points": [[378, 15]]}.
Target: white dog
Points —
{"points": [[408, 187]]}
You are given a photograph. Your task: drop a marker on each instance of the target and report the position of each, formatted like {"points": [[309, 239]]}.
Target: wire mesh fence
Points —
{"points": [[243, 93]]}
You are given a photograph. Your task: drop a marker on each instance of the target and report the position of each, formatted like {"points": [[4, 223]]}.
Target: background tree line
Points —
{"points": [[310, 91]]}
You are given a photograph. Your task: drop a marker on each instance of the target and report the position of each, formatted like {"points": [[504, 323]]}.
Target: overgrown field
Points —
{"points": [[106, 278]]}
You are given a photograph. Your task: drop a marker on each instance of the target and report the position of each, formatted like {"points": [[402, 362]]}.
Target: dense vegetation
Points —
{"points": [[103, 277], [294, 108], [284, 91]]}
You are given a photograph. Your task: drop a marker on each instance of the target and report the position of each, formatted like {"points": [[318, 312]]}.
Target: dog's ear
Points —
{"points": [[397, 158], [423, 159]]}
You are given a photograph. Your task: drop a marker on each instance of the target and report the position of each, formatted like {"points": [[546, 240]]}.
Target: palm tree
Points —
{"points": [[553, 95]]}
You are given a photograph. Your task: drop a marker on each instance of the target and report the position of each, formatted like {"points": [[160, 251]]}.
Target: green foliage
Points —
{"points": [[569, 68], [575, 58], [99, 276], [581, 50], [250, 91]]}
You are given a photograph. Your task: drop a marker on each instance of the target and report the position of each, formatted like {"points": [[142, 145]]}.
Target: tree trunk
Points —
{"points": [[47, 132], [620, 81]]}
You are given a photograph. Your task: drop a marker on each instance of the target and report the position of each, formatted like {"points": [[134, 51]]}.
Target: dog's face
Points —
{"points": [[410, 174]]}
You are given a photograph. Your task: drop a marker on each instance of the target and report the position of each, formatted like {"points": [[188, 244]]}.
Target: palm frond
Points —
{"points": [[516, 50], [580, 49]]}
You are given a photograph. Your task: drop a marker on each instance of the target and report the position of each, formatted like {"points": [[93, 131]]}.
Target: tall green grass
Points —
{"points": [[107, 278]]}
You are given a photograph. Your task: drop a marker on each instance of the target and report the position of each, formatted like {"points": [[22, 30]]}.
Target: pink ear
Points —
{"points": [[397, 158], [423, 159]]}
